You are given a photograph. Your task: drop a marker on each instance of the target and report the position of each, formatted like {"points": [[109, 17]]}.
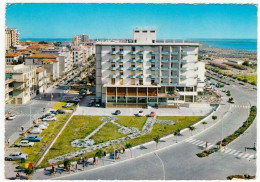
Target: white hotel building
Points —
{"points": [[147, 73]]}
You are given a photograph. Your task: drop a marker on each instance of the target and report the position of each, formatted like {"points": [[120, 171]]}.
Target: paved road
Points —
{"points": [[180, 161]]}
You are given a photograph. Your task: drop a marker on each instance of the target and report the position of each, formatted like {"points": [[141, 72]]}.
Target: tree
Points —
{"points": [[176, 135], [230, 99], [246, 63], [191, 129], [204, 123], [43, 42], [156, 139], [214, 117], [129, 146], [100, 154]]}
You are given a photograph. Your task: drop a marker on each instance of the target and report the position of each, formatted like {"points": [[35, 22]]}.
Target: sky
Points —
{"points": [[118, 21]]}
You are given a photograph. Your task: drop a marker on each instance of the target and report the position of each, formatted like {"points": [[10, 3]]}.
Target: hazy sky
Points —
{"points": [[118, 21]]}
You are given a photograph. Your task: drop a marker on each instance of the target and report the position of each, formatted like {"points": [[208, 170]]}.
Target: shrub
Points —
{"points": [[29, 171], [245, 80], [214, 117], [67, 162]]}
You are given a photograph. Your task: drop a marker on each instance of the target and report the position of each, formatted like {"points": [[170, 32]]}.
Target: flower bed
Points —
{"points": [[205, 153]]}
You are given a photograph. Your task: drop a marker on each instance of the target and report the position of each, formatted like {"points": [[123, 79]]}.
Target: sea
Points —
{"points": [[236, 44]]}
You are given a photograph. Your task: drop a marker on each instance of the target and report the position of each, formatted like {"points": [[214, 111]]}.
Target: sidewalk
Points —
{"points": [[139, 151]]}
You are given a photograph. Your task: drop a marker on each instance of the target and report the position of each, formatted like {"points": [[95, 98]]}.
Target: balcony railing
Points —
{"points": [[164, 68], [183, 76], [120, 60], [140, 68], [175, 61], [174, 69], [183, 69], [164, 60], [132, 68], [132, 52], [154, 68], [165, 52], [112, 52], [175, 53], [112, 76], [164, 84], [112, 68], [184, 53], [154, 60], [120, 52], [174, 76], [154, 52], [132, 76], [132, 60], [183, 61], [19, 80], [9, 81], [120, 76], [141, 52], [173, 84], [165, 76], [121, 68], [140, 60], [153, 76], [112, 60], [140, 76], [8, 90], [182, 84]]}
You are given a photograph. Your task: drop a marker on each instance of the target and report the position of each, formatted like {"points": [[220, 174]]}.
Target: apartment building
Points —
{"points": [[42, 80], [12, 37], [79, 39], [77, 54], [146, 72], [8, 88], [21, 80], [48, 61], [13, 58]]}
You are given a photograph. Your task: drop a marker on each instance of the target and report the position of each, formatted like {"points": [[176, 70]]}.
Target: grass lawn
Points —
{"points": [[35, 152], [108, 132], [59, 105], [132, 121], [181, 122], [78, 127], [250, 78], [81, 126]]}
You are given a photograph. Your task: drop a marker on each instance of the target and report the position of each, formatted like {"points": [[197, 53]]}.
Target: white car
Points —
{"points": [[42, 123], [35, 131], [42, 127], [140, 113], [49, 118], [11, 117]]}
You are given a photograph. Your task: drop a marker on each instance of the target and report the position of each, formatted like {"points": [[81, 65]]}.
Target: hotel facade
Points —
{"points": [[145, 72]]}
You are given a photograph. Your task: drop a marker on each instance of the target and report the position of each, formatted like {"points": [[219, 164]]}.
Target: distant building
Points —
{"points": [[21, 82], [146, 72], [13, 58], [79, 39], [11, 38]]}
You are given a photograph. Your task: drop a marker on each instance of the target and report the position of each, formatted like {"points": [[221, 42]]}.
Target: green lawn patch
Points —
{"points": [[35, 152], [249, 78], [108, 132], [59, 104], [132, 121], [78, 127]]}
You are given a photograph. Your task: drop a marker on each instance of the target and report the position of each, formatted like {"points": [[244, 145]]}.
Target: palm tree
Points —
{"points": [[100, 154], [176, 134], [129, 146], [191, 129], [156, 139]]}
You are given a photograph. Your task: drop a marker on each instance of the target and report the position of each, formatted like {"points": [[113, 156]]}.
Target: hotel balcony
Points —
{"points": [[140, 76], [20, 88], [174, 69], [173, 84], [175, 53], [112, 60], [121, 68], [8, 90], [120, 60], [153, 76], [140, 60], [175, 61], [140, 68], [183, 76], [9, 81], [120, 76], [164, 68], [154, 60], [182, 84], [132, 52], [183, 69], [132, 68], [154, 68], [112, 68], [132, 76], [112, 76], [183, 61], [20, 80], [112, 52], [184, 53], [141, 52], [174, 76], [164, 52], [120, 52], [165, 76], [154, 52], [164, 84], [165, 61], [132, 60]]}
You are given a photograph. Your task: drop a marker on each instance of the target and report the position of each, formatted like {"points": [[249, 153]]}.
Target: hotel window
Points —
{"points": [[121, 65], [112, 56], [121, 81], [121, 57], [121, 72], [133, 49], [132, 81], [140, 81], [113, 81], [132, 64], [141, 57], [113, 48], [152, 56], [132, 56], [152, 82], [113, 65], [140, 72], [121, 49], [132, 72], [153, 65]]}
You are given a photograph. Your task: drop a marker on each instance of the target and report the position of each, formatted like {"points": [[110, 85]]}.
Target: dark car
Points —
{"points": [[75, 100], [54, 112], [60, 111], [46, 115], [33, 138], [117, 112]]}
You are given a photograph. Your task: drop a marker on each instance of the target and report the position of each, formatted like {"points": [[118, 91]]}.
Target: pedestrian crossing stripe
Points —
{"points": [[245, 156], [227, 151], [240, 155], [236, 153], [240, 106], [232, 152]]}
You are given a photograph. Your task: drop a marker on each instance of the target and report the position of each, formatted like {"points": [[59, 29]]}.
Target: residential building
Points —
{"points": [[8, 88], [146, 72], [48, 61], [13, 58], [42, 80], [11, 38], [79, 39], [21, 80], [77, 54]]}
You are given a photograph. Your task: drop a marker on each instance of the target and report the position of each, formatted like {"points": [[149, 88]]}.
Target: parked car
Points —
{"points": [[79, 96], [11, 117], [60, 111], [54, 112], [117, 112], [140, 113], [49, 118], [47, 115], [35, 131], [33, 138], [67, 105], [152, 114], [42, 127], [15, 156], [42, 123], [24, 143], [74, 100]]}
